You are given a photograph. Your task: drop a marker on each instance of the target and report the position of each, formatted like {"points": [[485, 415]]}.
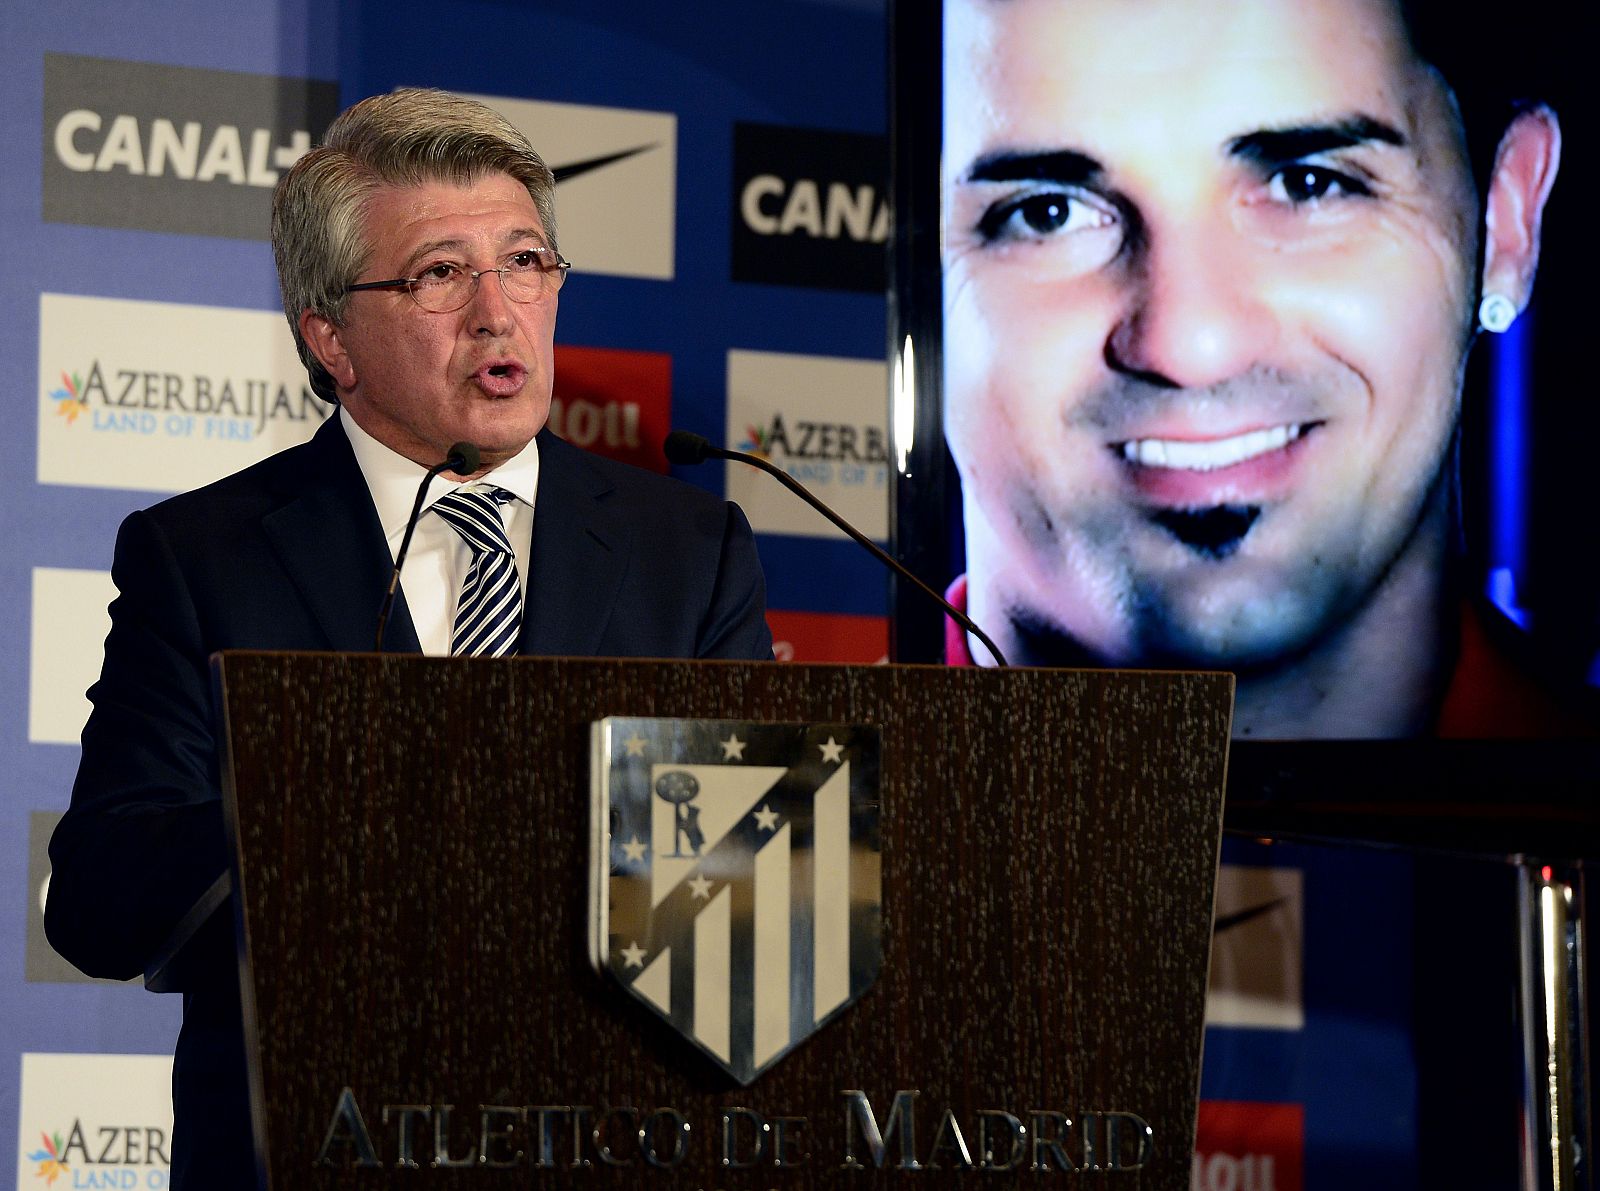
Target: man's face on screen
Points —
{"points": [[1208, 278]]}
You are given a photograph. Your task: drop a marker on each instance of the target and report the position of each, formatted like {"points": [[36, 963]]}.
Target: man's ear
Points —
{"points": [[324, 338], [1525, 167]]}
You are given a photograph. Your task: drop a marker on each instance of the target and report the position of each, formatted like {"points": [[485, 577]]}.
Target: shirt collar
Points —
{"points": [[392, 478]]}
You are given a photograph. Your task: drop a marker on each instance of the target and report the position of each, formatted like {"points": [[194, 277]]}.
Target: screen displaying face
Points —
{"points": [[1212, 275]]}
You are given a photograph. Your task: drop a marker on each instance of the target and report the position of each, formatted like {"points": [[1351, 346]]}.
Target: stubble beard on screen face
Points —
{"points": [[1250, 579]]}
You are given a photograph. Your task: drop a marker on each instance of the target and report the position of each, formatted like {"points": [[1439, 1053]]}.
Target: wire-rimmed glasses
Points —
{"points": [[527, 276]]}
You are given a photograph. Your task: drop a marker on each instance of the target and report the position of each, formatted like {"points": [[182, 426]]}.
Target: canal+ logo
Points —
{"points": [[172, 148], [810, 207]]}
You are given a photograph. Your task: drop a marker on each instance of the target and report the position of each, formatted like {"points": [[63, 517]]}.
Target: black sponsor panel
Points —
{"points": [[810, 207], [170, 148]]}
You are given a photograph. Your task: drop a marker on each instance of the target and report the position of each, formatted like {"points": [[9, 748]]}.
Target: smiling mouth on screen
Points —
{"points": [[1208, 493], [1211, 454], [1188, 470]]}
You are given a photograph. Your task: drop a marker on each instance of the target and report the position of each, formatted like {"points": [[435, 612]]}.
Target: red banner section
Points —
{"points": [[614, 403], [1247, 1146], [828, 637]]}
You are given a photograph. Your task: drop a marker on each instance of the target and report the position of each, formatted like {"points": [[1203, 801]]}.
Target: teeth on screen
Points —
{"points": [[1208, 456]]}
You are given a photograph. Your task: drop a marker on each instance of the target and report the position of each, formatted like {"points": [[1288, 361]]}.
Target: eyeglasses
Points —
{"points": [[527, 276]]}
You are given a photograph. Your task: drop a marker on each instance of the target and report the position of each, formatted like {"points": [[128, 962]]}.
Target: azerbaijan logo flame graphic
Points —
{"points": [[756, 441], [49, 1158], [70, 398]]}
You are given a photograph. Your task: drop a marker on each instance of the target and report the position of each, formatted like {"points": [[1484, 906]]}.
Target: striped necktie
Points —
{"points": [[489, 613]]}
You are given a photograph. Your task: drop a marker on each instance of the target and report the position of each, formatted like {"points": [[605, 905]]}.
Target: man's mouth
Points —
{"points": [[1208, 493], [1209, 454], [1181, 469], [501, 378]]}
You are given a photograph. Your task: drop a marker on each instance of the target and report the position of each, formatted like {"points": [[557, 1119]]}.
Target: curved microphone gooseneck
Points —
{"points": [[463, 460], [685, 448]]}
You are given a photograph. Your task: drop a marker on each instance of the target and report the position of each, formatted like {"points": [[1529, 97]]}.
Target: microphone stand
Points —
{"points": [[463, 460], [685, 448]]}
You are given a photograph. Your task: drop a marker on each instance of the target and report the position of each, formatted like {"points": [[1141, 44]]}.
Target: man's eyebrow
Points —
{"points": [[459, 247], [526, 233], [1274, 146], [429, 248], [1065, 166]]}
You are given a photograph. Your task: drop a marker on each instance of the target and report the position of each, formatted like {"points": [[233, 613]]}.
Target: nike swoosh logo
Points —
{"points": [[565, 173], [1240, 917]]}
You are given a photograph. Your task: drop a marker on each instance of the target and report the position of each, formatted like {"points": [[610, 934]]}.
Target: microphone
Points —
{"points": [[685, 448], [463, 459]]}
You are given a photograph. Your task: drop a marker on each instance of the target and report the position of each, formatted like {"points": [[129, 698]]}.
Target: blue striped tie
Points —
{"points": [[489, 614]]}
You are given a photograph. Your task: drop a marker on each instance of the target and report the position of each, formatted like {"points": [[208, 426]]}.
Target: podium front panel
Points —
{"points": [[413, 839]]}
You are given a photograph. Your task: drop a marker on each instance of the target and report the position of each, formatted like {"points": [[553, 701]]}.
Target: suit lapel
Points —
{"points": [[579, 553], [329, 540]]}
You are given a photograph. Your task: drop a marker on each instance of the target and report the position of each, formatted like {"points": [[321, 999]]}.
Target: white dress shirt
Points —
{"points": [[438, 559]]}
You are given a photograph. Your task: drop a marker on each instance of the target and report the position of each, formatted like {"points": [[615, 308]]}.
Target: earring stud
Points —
{"points": [[1496, 313]]}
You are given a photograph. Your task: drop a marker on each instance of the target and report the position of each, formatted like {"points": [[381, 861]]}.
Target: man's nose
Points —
{"points": [[490, 310], [1196, 314]]}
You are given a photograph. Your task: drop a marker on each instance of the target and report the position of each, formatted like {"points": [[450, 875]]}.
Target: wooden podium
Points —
{"points": [[413, 845]]}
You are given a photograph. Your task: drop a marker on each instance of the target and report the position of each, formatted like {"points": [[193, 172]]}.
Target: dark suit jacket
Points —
{"points": [[289, 554]]}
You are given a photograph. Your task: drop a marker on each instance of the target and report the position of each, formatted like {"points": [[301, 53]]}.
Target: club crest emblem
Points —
{"points": [[735, 877]]}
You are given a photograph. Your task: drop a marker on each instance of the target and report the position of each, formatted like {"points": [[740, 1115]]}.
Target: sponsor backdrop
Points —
{"points": [[723, 201], [146, 354]]}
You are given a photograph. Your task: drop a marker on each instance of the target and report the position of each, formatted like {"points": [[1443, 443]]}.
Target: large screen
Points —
{"points": [[1248, 336]]}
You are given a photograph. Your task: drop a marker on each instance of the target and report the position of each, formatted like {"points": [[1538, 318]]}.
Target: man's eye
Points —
{"points": [[439, 274], [526, 261], [1300, 184], [1040, 214]]}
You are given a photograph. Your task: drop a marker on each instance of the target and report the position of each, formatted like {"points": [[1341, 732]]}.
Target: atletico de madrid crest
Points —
{"points": [[736, 877]]}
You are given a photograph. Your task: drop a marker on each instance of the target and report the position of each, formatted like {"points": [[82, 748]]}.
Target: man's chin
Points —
{"points": [[1266, 633], [1259, 635], [501, 434]]}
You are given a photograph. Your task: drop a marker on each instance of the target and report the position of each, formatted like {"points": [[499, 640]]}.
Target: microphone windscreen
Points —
{"points": [[684, 447], [464, 458]]}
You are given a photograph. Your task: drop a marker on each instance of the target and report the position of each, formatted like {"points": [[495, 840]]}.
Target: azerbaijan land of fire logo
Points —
{"points": [[742, 897]]}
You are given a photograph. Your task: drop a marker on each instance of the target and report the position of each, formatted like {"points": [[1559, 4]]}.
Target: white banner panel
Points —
{"points": [[1258, 949], [822, 420], [68, 636], [159, 397], [616, 171], [94, 1120]]}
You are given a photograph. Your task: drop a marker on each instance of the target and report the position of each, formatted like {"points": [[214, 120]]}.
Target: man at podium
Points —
{"points": [[417, 256]]}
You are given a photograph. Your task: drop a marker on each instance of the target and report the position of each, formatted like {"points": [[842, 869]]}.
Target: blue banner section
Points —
{"points": [[139, 150]]}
